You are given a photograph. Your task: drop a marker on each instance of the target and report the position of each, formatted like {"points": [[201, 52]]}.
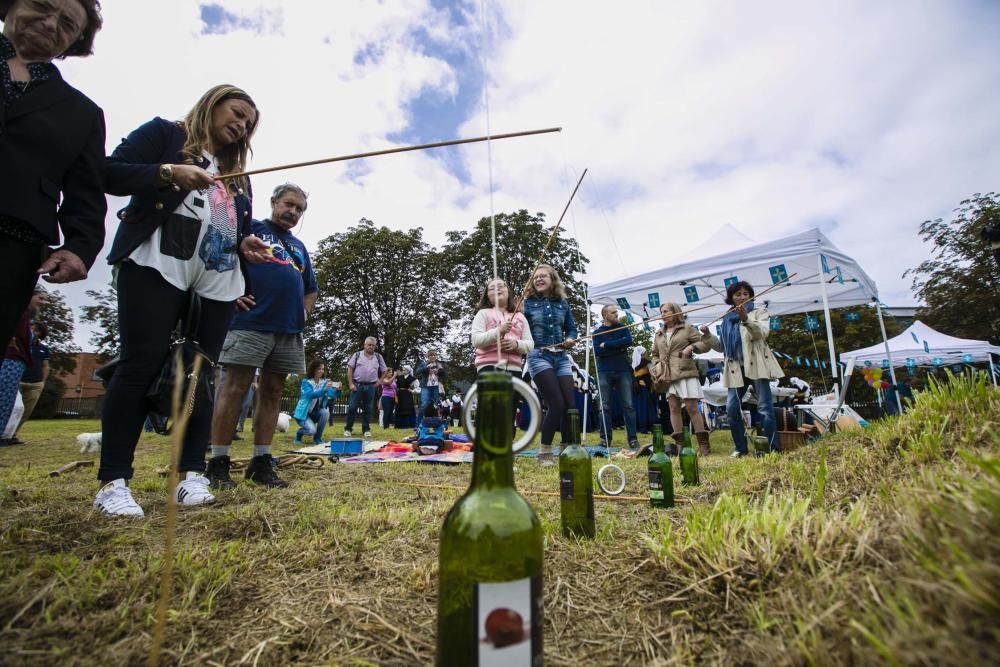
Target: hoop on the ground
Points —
{"points": [[534, 407], [611, 479]]}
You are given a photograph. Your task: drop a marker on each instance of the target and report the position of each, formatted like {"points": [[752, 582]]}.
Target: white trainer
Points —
{"points": [[347, 434], [193, 490], [115, 499], [368, 434]]}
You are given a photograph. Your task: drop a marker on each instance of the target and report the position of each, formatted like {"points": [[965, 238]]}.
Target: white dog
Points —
{"points": [[284, 419], [89, 442]]}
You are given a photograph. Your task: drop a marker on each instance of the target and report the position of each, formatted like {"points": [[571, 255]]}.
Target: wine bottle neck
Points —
{"points": [[493, 455]]}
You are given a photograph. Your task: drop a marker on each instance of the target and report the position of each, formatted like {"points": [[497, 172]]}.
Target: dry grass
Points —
{"points": [[874, 547]]}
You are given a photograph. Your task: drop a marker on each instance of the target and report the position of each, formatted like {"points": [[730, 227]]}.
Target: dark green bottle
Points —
{"points": [[689, 462], [576, 483], [661, 473], [490, 564]]}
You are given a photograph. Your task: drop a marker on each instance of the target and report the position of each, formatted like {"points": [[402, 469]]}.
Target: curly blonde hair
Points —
{"points": [[198, 124], [558, 290]]}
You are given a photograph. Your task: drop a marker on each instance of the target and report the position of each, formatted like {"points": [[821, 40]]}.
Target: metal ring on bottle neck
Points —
{"points": [[534, 407]]}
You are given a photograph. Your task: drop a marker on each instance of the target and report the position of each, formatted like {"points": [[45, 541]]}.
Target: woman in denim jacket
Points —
{"points": [[551, 323]]}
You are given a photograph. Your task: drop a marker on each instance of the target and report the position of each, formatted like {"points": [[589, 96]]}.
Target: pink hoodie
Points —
{"points": [[488, 354]]}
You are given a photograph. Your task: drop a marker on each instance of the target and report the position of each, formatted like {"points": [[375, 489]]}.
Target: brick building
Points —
{"points": [[82, 383]]}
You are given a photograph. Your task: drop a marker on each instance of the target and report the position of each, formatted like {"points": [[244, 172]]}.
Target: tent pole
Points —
{"points": [[834, 368], [586, 379], [888, 354]]}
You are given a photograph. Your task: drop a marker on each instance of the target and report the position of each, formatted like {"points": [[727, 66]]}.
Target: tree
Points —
{"points": [[104, 315], [48, 400], [374, 281], [58, 317], [960, 282], [467, 261]]}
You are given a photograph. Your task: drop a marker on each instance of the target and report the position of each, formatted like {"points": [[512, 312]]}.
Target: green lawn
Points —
{"points": [[864, 548]]}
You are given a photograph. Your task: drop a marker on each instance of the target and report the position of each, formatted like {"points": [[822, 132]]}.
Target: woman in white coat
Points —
{"points": [[748, 359]]}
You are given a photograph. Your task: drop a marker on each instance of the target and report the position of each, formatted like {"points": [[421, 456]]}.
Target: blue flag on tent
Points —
{"points": [[915, 339], [623, 303], [729, 281], [967, 358], [812, 323], [691, 293], [885, 363], [718, 329], [911, 362], [653, 298], [852, 317], [840, 275], [956, 369], [927, 348], [826, 266], [798, 361], [775, 324], [778, 273], [937, 361]]}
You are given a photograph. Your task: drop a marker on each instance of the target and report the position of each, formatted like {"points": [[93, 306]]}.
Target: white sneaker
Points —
{"points": [[115, 499], [193, 490], [368, 434], [347, 434]]}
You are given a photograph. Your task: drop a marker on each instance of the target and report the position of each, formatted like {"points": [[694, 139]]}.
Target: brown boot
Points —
{"points": [[675, 449], [702, 437]]}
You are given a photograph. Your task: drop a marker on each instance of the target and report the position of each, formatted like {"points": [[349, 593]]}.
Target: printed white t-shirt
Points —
{"points": [[196, 247]]}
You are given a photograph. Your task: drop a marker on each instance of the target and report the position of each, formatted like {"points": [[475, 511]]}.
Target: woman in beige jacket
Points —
{"points": [[748, 359], [676, 374]]}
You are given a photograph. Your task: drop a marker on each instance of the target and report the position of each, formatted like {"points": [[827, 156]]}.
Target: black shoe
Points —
{"points": [[218, 473], [260, 471], [16, 441], [236, 436], [5, 442]]}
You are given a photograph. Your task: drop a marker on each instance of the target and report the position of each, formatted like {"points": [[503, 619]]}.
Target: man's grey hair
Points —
{"points": [[372, 339], [290, 187]]}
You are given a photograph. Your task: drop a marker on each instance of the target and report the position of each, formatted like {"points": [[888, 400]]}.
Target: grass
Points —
{"points": [[872, 547]]}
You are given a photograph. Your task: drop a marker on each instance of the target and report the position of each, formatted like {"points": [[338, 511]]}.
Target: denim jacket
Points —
{"points": [[551, 321]]}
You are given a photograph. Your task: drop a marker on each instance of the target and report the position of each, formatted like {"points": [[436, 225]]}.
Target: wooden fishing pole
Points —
{"points": [[387, 151], [784, 283], [552, 235], [551, 494]]}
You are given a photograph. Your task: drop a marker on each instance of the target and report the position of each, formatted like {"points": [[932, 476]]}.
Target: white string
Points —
{"points": [[489, 167]]}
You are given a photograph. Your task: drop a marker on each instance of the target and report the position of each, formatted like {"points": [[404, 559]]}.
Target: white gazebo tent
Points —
{"points": [[822, 276], [921, 345]]}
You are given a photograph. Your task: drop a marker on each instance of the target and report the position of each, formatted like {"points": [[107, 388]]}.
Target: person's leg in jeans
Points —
{"points": [[624, 383], [607, 428], [368, 399], [352, 408], [388, 407], [324, 418], [306, 427], [735, 412], [11, 371], [765, 408], [144, 330]]}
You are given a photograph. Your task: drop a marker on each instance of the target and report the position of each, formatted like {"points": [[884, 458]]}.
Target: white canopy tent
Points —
{"points": [[823, 277], [921, 345]]}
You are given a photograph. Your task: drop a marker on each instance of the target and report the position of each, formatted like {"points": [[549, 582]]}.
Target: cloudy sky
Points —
{"points": [[860, 118]]}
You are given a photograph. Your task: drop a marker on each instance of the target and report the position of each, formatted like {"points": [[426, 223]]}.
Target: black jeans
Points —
{"points": [[148, 310], [18, 278]]}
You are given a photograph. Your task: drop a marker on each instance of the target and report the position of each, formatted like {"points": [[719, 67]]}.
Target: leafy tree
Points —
{"points": [[48, 400], [375, 281], [960, 282], [59, 319], [103, 313]]}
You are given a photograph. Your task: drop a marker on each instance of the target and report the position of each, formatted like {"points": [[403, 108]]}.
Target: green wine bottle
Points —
{"points": [[576, 483], [661, 473], [689, 463], [490, 564]]}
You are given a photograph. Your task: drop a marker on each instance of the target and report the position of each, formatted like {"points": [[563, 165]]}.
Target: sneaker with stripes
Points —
{"points": [[193, 490], [115, 499]]}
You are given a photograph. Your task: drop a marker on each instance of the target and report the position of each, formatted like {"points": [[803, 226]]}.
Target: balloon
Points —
{"points": [[877, 373], [885, 385]]}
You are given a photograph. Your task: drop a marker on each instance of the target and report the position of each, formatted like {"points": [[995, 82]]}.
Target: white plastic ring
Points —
{"points": [[534, 406], [606, 485]]}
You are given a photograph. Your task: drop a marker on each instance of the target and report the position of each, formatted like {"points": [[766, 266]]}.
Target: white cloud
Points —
{"points": [[771, 116]]}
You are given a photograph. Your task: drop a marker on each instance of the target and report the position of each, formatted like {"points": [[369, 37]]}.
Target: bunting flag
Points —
{"points": [[956, 369], [885, 363], [911, 362], [852, 317], [937, 361], [927, 348], [623, 303], [812, 323], [729, 281], [653, 299], [775, 324], [915, 339], [840, 275], [718, 329], [967, 358], [778, 273], [823, 262], [798, 361], [691, 293]]}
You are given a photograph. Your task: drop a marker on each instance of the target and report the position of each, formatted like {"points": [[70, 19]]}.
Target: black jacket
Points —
{"points": [[52, 144], [132, 170]]}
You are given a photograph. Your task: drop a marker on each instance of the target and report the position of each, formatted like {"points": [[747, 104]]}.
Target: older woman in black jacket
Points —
{"points": [[51, 148], [186, 230]]}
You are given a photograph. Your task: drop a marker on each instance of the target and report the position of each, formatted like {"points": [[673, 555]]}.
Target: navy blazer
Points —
{"points": [[132, 169], [52, 144]]}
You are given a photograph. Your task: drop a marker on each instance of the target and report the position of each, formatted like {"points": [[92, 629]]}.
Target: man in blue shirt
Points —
{"points": [[614, 371], [266, 336]]}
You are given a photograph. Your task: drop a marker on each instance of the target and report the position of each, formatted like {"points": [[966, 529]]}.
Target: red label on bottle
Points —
{"points": [[509, 623]]}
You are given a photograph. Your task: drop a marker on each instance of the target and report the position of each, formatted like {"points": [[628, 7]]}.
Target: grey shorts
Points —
{"points": [[268, 351]]}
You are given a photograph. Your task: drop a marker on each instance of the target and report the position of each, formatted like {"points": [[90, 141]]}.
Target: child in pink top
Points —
{"points": [[494, 320]]}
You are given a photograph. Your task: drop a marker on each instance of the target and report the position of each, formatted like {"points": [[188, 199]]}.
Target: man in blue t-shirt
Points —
{"points": [[614, 371], [266, 335]]}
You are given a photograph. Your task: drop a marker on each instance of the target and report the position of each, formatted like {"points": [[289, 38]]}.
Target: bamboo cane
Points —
{"points": [[387, 151], [542, 493]]}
